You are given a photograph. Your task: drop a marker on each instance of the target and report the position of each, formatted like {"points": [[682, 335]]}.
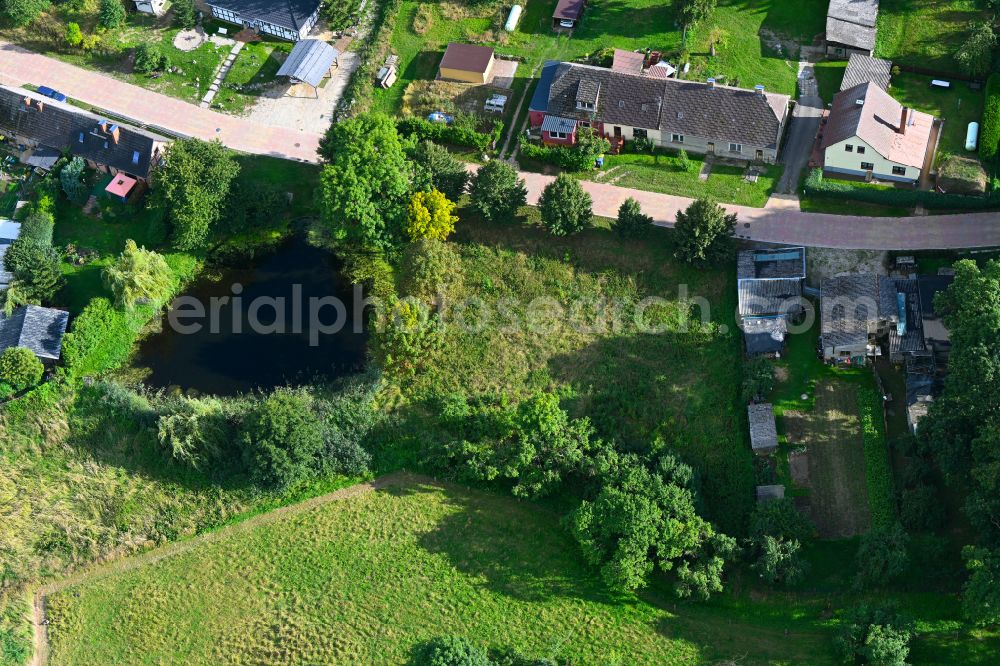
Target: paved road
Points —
{"points": [[19, 66], [779, 222], [782, 222], [801, 131]]}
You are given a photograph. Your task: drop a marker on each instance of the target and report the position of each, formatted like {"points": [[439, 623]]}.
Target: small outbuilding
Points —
{"points": [[121, 186], [763, 432], [567, 14], [770, 493], [309, 62], [38, 329], [466, 63], [765, 336]]}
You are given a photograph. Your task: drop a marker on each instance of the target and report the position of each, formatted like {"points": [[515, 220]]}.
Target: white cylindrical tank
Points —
{"points": [[972, 136], [513, 18]]}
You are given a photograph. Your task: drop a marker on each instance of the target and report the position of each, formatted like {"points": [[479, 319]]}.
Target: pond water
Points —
{"points": [[260, 327]]}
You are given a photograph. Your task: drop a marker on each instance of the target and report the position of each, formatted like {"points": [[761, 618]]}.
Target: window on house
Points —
{"points": [[677, 138], [867, 166], [557, 135], [639, 133], [848, 148], [621, 104], [898, 171], [80, 138], [736, 147], [586, 106], [584, 123], [861, 150], [645, 107], [135, 157]]}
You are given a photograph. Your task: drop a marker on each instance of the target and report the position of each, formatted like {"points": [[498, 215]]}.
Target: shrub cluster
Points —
{"points": [[462, 132], [878, 472], [818, 186], [989, 130], [357, 97], [578, 157]]}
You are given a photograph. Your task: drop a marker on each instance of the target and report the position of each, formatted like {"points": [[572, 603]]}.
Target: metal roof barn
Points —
{"points": [[309, 61]]}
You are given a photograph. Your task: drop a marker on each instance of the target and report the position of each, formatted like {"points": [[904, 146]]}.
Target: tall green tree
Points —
{"points": [[112, 14], [438, 169], [703, 233], [644, 518], [71, 179], [691, 12], [36, 273], [981, 592], [631, 221], [282, 438], [497, 191], [875, 635], [191, 183], [565, 207], [138, 274], [365, 184], [882, 555], [975, 55], [22, 12], [185, 13]]}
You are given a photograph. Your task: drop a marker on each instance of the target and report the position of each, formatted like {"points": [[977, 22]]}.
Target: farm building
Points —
{"points": [[567, 14], [466, 63], [850, 27], [854, 309], [769, 289], [309, 62], [624, 106], [871, 135], [36, 328], [763, 432], [35, 122], [290, 19], [862, 69]]}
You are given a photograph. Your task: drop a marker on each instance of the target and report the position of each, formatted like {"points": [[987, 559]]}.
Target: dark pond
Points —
{"points": [[246, 345]]}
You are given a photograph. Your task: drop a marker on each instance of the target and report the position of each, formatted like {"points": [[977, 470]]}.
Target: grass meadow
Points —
{"points": [[925, 33]]}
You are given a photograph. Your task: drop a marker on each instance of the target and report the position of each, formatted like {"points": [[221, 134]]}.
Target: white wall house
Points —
{"points": [[871, 135], [291, 20]]}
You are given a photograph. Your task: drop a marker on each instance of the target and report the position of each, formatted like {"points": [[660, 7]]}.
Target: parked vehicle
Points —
{"points": [[51, 93]]}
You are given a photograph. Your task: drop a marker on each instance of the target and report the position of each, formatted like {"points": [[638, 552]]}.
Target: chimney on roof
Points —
{"points": [[114, 131], [711, 83], [103, 124], [759, 89], [902, 120], [27, 101], [41, 105]]}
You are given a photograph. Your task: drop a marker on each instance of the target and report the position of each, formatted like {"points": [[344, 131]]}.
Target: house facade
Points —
{"points": [[627, 106], [33, 121], [870, 135], [290, 19]]}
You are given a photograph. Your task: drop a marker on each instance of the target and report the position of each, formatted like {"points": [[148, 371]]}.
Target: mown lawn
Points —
{"points": [[925, 33], [662, 172], [829, 76], [958, 106], [362, 580]]}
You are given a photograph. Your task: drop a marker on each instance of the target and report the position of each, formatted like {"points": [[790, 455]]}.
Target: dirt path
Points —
{"points": [[41, 640]]}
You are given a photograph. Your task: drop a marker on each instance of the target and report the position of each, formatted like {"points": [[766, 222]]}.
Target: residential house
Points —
{"points": [[33, 121], [850, 27], [769, 288], [154, 7], [9, 231], [567, 14], [625, 106], [36, 328], [871, 135], [763, 432], [287, 19], [854, 310], [466, 63], [862, 69]]}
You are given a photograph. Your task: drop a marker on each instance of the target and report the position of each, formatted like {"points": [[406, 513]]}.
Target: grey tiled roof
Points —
{"points": [[862, 69], [588, 90], [769, 297], [764, 335], [850, 34], [720, 113], [59, 125], [861, 12], [788, 262], [850, 303], [309, 61], [763, 432], [291, 14], [39, 329]]}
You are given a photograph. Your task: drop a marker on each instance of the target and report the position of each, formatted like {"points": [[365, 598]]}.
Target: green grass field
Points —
{"points": [[925, 33], [362, 580], [957, 106]]}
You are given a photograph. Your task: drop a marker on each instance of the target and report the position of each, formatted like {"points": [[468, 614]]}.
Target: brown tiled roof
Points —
{"points": [[467, 57], [629, 62], [876, 120], [568, 9], [718, 113]]}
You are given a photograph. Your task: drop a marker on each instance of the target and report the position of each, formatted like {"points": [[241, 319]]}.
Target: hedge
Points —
{"points": [[357, 96], [817, 186], [458, 135], [989, 129], [878, 472], [564, 157]]}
